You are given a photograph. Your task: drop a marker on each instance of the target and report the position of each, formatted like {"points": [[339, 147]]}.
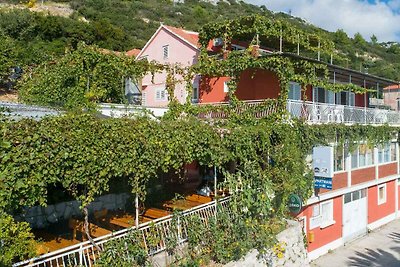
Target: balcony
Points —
{"points": [[320, 113]]}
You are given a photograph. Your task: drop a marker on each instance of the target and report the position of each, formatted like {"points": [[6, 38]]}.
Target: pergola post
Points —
{"points": [[137, 211], [215, 190]]}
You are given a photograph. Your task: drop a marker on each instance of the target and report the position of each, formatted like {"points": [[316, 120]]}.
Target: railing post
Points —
{"points": [[81, 255], [365, 114], [179, 229]]}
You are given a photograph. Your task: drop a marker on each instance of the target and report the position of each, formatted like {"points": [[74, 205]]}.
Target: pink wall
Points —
{"points": [[179, 53]]}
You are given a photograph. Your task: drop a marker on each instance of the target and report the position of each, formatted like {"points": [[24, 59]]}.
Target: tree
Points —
{"points": [[374, 39], [359, 39], [7, 57], [340, 37]]}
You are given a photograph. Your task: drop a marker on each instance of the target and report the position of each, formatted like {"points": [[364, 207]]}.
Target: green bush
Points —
{"points": [[16, 240]]}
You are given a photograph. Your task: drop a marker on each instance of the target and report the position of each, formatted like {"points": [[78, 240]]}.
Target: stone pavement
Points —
{"points": [[380, 248]]}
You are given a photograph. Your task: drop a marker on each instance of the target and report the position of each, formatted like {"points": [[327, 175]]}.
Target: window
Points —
{"points": [[166, 51], [387, 153], [294, 91], [393, 152], [226, 87], [195, 95], [327, 213], [339, 158], [381, 194], [161, 94], [322, 215], [362, 156], [356, 195], [321, 95], [352, 99]]}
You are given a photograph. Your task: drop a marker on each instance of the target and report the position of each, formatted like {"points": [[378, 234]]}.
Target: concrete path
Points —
{"points": [[380, 248]]}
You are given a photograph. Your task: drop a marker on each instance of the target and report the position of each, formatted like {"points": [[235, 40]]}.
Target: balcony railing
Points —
{"points": [[258, 109], [84, 254], [331, 113]]}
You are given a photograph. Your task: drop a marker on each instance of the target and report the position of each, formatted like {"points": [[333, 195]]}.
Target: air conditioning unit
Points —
{"points": [[218, 42]]}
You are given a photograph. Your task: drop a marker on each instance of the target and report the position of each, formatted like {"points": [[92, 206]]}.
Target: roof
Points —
{"points": [[188, 36], [348, 75], [133, 53], [392, 87], [18, 111]]}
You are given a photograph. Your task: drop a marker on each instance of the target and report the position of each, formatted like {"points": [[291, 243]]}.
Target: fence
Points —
{"points": [[258, 109], [331, 113], [85, 254]]}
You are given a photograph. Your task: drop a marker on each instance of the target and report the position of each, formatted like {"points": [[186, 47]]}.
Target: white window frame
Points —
{"points": [[295, 89], [344, 158], [381, 154], [165, 51], [327, 221], [383, 200], [226, 87], [319, 220], [366, 165], [195, 93], [159, 94]]}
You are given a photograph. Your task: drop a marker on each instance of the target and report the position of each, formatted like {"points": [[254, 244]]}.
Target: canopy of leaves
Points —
{"points": [[82, 77]]}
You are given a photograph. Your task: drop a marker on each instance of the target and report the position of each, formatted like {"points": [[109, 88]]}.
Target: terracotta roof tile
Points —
{"points": [[189, 36], [391, 87], [133, 53]]}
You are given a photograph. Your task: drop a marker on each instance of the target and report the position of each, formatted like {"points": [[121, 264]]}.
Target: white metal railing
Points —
{"points": [[84, 254], [266, 107], [120, 110], [331, 113]]}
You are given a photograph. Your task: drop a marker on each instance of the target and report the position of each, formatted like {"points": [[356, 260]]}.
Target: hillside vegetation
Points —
{"points": [[125, 24]]}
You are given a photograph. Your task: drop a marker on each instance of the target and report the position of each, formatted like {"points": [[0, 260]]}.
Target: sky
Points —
{"points": [[368, 17]]}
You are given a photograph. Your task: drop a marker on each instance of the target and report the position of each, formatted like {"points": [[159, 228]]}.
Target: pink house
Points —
{"points": [[169, 45]]}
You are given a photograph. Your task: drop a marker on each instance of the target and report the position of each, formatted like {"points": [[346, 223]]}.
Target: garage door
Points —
{"points": [[354, 214]]}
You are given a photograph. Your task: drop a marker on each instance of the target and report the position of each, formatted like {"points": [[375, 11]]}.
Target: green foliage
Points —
{"points": [[17, 241], [128, 251], [269, 30], [81, 78], [7, 57]]}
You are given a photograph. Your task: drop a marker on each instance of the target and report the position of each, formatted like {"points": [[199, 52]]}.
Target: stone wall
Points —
{"points": [[290, 242], [41, 217]]}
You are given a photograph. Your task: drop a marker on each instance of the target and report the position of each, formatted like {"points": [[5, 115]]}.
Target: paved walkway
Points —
{"points": [[380, 248]]}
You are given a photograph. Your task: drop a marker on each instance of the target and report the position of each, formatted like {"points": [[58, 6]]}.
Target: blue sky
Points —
{"points": [[368, 17]]}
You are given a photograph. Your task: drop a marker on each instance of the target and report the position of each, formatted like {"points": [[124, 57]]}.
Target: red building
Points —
{"points": [[365, 182]]}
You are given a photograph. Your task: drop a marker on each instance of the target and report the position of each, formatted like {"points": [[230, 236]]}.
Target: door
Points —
{"points": [[354, 214]]}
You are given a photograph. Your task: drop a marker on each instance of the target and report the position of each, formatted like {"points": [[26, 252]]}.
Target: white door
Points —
{"points": [[354, 214]]}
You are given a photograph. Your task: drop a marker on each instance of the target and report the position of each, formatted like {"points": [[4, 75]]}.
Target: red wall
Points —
{"points": [[253, 85], [375, 211], [362, 175], [359, 99], [212, 90], [387, 170], [398, 199], [258, 84], [329, 234], [339, 181]]}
